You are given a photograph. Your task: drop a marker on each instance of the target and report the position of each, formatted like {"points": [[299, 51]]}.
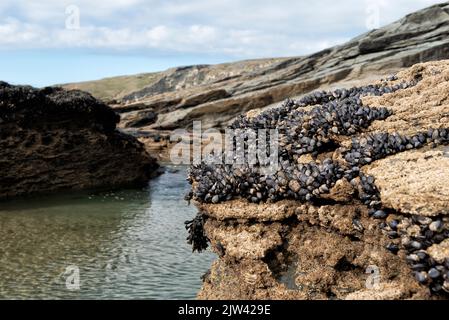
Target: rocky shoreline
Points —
{"points": [[361, 193], [152, 105], [52, 139], [217, 94]]}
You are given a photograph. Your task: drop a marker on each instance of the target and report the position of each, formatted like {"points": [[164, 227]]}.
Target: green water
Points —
{"points": [[127, 244]]}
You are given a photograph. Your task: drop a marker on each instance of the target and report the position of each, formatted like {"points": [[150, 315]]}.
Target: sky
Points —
{"points": [[46, 42]]}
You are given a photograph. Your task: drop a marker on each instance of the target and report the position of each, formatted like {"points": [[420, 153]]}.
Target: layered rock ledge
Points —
{"points": [[52, 139], [358, 209], [154, 104], [217, 94]]}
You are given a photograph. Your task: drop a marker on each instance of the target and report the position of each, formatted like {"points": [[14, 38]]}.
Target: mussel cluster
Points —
{"points": [[416, 234], [197, 238], [379, 145], [301, 132]]}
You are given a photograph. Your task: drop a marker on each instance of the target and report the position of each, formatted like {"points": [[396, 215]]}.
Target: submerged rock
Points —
{"points": [[52, 139]]}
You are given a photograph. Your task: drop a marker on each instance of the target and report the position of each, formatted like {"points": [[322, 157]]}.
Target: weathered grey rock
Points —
{"points": [[216, 94], [139, 119]]}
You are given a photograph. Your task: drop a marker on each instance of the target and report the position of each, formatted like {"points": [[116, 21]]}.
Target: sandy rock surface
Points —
{"points": [[414, 182]]}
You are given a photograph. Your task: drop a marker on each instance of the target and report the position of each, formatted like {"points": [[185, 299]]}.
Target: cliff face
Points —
{"points": [[217, 94], [359, 208], [52, 139]]}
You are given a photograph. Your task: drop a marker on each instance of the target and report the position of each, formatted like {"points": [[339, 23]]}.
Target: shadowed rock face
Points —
{"points": [[26, 105], [217, 94], [53, 139], [367, 219]]}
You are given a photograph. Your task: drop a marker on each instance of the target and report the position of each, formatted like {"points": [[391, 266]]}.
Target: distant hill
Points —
{"points": [[145, 84], [116, 87]]}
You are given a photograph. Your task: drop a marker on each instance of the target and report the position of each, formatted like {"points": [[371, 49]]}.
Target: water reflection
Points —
{"points": [[127, 244]]}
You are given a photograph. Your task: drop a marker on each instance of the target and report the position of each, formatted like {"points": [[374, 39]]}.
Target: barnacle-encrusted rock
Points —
{"points": [[52, 139], [440, 252], [358, 208]]}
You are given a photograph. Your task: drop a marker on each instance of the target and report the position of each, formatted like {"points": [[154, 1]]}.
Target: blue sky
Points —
{"points": [[44, 42]]}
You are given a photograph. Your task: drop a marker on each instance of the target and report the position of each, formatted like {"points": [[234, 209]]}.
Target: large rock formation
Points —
{"points": [[217, 94], [52, 139], [358, 208]]}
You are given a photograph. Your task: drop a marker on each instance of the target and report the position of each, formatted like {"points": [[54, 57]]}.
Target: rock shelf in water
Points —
{"points": [[331, 211]]}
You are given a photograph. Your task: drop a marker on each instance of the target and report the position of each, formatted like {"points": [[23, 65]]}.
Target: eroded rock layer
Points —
{"points": [[217, 94], [52, 139], [358, 208]]}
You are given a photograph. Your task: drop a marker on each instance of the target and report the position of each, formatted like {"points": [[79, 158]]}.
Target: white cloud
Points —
{"points": [[232, 27], [157, 34]]}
